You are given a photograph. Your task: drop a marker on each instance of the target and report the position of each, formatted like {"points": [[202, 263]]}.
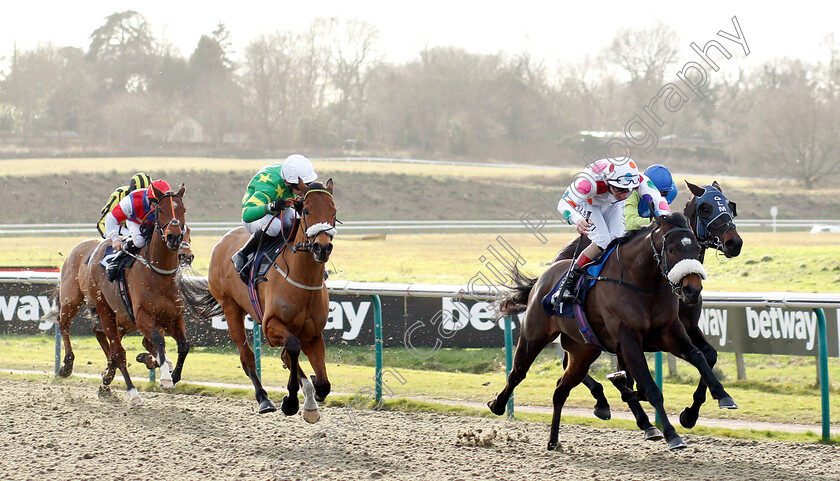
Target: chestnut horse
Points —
{"points": [[711, 216], [632, 308], [156, 302], [293, 300]]}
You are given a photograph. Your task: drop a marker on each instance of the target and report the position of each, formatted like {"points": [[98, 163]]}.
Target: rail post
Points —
{"points": [[377, 333], [657, 373], [823, 341], [509, 359], [57, 348], [257, 331]]}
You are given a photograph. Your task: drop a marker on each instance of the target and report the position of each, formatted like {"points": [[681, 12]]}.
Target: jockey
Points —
{"points": [[600, 191], [137, 212], [138, 181], [271, 191], [636, 213]]}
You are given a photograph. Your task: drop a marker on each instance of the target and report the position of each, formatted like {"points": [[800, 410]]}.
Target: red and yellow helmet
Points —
{"points": [[160, 185]]}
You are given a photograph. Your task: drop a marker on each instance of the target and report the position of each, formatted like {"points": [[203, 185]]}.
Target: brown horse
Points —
{"points": [[633, 308], [156, 302], [711, 216], [293, 300]]}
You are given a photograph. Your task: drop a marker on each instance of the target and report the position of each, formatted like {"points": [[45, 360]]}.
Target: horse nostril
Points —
{"points": [[329, 249]]}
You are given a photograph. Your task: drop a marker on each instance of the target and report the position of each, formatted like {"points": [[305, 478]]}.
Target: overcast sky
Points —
{"points": [[549, 29]]}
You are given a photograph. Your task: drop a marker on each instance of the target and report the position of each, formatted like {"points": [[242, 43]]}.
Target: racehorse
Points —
{"points": [[294, 302], [632, 309], [157, 306], [70, 283], [711, 217]]}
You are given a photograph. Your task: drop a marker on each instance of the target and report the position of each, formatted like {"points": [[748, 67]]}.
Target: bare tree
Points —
{"points": [[30, 84]]}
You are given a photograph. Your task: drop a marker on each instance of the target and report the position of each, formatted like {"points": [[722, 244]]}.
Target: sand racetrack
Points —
{"points": [[63, 431]]}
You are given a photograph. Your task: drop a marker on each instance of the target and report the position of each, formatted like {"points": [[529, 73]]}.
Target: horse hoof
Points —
{"points": [[688, 418], [104, 392], [493, 407], [617, 376], [727, 403], [602, 413], [65, 371], [290, 405], [167, 384], [267, 407], [653, 434], [311, 415], [554, 446], [676, 443]]}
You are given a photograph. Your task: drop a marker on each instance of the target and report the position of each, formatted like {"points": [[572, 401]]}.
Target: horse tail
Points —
{"points": [[197, 297], [515, 300], [52, 315]]}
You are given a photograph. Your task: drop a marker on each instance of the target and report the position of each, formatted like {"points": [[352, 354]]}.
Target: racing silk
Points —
{"points": [[113, 200], [590, 189], [266, 187], [135, 209]]}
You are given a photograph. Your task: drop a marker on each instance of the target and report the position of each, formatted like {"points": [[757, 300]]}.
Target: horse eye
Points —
{"points": [[305, 211]]}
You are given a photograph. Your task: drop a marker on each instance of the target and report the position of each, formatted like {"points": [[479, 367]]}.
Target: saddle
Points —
{"points": [[263, 258], [122, 287], [575, 309]]}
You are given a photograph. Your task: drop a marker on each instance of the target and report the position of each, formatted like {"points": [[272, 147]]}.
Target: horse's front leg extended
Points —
{"points": [[316, 352], [689, 415], [291, 356], [634, 359], [679, 344], [180, 336]]}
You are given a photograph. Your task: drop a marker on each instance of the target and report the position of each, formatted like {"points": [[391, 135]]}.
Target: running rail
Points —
{"points": [[817, 302]]}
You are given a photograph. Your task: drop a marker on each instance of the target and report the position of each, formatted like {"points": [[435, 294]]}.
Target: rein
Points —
{"points": [[162, 231], [310, 232]]}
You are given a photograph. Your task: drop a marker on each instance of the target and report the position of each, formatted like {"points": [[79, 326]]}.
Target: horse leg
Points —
{"points": [[68, 307], [602, 406], [111, 367], [634, 359], [109, 326], [180, 336], [165, 369], [581, 357], [623, 382], [679, 344], [310, 406], [316, 352], [689, 415], [290, 356], [235, 317], [148, 358], [525, 354]]}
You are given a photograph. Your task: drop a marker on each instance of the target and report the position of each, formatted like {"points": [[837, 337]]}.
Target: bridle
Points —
{"points": [[724, 217], [312, 231], [662, 260], [161, 229]]}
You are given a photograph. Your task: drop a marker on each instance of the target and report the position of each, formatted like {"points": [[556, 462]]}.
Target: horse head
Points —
{"points": [[712, 217], [676, 250], [316, 208], [185, 253], [169, 216]]}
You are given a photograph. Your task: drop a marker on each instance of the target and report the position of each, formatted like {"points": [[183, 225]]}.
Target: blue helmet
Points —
{"points": [[661, 178]]}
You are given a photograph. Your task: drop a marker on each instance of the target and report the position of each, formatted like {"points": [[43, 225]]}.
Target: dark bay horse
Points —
{"points": [[635, 312], [711, 216], [156, 301], [293, 300]]}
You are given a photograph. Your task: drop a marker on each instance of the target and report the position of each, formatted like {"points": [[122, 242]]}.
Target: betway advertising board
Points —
{"points": [[447, 322]]}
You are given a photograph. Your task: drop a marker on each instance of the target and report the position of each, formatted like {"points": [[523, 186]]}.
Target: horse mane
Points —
{"points": [[316, 185], [676, 219]]}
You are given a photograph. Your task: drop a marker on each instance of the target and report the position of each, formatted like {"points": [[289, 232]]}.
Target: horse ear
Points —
{"points": [[181, 190], [716, 185], [302, 186], [158, 193], [695, 189], [329, 185]]}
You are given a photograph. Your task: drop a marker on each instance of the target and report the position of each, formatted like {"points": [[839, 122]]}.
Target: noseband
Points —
{"points": [[312, 231], [682, 268], [161, 229], [723, 213]]}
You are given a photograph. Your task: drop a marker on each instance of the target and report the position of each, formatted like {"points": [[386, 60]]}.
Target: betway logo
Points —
{"points": [[713, 323], [26, 308], [777, 323], [339, 312]]}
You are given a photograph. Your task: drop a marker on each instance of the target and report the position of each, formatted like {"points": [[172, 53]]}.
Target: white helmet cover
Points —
{"points": [[297, 166], [624, 175]]}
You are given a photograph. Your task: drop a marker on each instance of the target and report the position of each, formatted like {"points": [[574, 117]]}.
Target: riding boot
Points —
{"points": [[114, 265], [240, 258], [567, 293]]}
